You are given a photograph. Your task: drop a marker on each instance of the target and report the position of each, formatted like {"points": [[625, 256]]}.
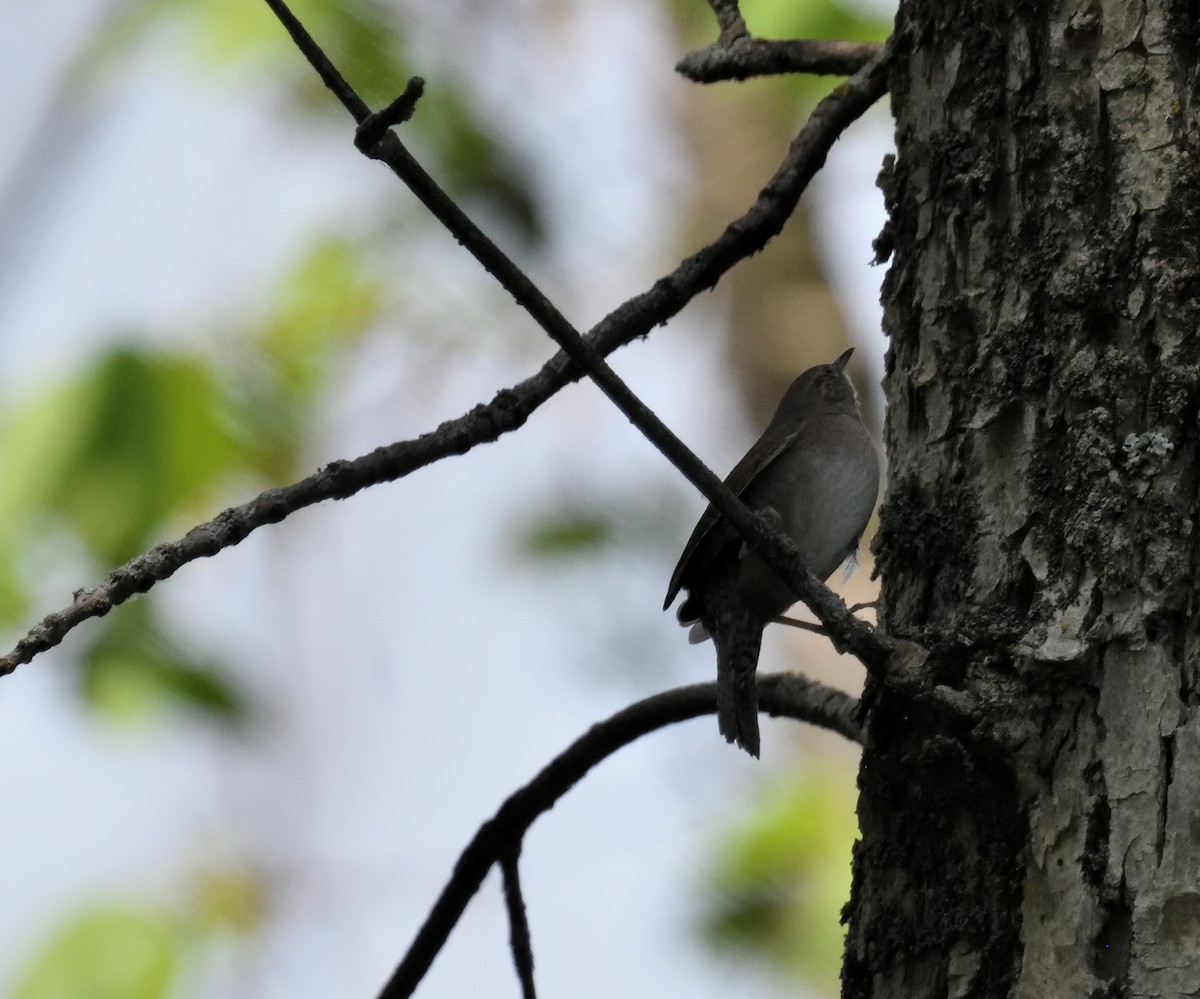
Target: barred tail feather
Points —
{"points": [[737, 692]]}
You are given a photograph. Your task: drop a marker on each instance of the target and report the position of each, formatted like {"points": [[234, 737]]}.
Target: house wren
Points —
{"points": [[814, 471]]}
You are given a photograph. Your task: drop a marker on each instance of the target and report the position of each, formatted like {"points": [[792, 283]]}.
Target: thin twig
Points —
{"points": [[520, 941], [510, 408], [785, 695], [744, 57]]}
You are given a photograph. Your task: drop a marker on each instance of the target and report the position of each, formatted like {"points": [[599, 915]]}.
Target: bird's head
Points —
{"points": [[824, 387]]}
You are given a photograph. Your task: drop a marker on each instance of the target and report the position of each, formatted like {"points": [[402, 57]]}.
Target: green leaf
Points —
{"points": [[224, 35], [228, 901], [783, 876], [470, 161], [328, 299], [135, 438], [106, 953], [567, 534], [14, 600], [134, 670], [812, 19], [364, 38]]}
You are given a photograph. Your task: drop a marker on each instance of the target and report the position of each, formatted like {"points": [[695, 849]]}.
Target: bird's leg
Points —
{"points": [[820, 629], [791, 622]]}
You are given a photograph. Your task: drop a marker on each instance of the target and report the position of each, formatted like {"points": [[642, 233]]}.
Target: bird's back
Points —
{"points": [[822, 494]]}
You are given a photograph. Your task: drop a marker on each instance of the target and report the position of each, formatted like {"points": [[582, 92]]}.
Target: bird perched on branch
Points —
{"points": [[814, 471]]}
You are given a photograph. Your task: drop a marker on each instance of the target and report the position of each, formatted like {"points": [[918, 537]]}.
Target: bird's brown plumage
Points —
{"points": [[814, 469]]}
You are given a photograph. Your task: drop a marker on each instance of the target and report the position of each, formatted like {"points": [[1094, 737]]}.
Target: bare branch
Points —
{"points": [[786, 695], [520, 941], [743, 57], [510, 408], [320, 62]]}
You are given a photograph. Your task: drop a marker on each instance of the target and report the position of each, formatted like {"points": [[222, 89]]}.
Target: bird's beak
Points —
{"points": [[840, 363]]}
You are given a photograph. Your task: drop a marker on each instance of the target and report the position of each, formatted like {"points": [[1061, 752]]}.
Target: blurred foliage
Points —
{"points": [[109, 457], [14, 601], [783, 19], [122, 453], [119, 950], [365, 40], [140, 441], [782, 876], [814, 19], [106, 953], [116, 449], [229, 901], [570, 532], [134, 668], [590, 522], [327, 301]]}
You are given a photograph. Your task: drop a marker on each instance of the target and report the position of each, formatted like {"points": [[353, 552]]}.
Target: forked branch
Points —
{"points": [[783, 695]]}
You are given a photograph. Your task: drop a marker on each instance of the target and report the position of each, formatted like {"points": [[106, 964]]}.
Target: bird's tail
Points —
{"points": [[737, 692]]}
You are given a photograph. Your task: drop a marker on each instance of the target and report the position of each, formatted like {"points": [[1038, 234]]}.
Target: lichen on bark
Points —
{"points": [[1039, 530]]}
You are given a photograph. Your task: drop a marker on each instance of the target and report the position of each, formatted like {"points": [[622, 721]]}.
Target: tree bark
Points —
{"points": [[1039, 532]]}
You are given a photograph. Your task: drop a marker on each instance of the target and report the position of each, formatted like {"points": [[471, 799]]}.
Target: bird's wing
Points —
{"points": [[713, 533]]}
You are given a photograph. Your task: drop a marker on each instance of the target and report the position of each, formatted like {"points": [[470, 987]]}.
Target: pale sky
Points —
{"points": [[397, 641]]}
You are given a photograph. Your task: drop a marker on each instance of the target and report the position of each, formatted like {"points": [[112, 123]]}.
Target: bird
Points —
{"points": [[814, 473]]}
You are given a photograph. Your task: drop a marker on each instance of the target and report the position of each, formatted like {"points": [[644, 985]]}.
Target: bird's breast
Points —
{"points": [[832, 494]]}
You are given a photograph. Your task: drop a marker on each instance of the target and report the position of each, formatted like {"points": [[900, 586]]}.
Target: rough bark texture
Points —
{"points": [[1039, 532]]}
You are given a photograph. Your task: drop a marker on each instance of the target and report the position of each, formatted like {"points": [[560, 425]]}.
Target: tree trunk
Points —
{"points": [[1039, 532]]}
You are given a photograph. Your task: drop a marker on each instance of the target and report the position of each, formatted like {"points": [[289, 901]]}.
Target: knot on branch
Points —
{"points": [[372, 128]]}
